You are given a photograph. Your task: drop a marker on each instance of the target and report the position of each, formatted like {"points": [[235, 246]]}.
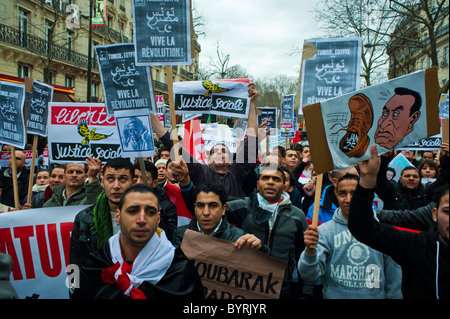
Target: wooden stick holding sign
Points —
{"points": [[174, 133], [33, 163], [29, 88], [317, 195], [14, 178]]}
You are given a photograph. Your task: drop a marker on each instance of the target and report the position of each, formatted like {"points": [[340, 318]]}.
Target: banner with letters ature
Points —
{"points": [[38, 241]]}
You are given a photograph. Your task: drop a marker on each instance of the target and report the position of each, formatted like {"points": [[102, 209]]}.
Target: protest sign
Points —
{"points": [[287, 128], [12, 130], [390, 115], [443, 106], [38, 240], [269, 113], [79, 130], [126, 86], [227, 98], [330, 68], [230, 273], [5, 155], [432, 143], [37, 108], [135, 133], [162, 32], [397, 164]]}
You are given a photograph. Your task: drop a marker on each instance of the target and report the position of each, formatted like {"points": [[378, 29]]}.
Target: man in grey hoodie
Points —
{"points": [[348, 268]]}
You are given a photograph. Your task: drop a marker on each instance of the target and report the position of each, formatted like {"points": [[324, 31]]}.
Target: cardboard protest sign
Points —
{"points": [[37, 108], [390, 115], [135, 133], [227, 98], [38, 240], [126, 86], [162, 32], [79, 130], [12, 130], [330, 68], [269, 113], [229, 273], [287, 128]]}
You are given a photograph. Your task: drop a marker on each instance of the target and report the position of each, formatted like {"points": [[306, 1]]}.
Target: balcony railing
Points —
{"points": [[42, 47]]}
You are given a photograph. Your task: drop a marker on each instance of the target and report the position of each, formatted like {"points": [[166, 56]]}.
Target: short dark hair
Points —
{"points": [[138, 188], [118, 163], [149, 167], [272, 167], [212, 188], [439, 193], [417, 98], [407, 168], [223, 144], [347, 176], [291, 176]]}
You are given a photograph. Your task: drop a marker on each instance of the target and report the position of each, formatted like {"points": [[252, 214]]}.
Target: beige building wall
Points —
{"points": [[25, 53]]}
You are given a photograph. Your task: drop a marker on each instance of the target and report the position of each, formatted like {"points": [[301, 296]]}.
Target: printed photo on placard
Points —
{"points": [[135, 133]]}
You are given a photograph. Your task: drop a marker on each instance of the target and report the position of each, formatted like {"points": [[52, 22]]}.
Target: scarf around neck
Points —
{"points": [[102, 220], [150, 265]]}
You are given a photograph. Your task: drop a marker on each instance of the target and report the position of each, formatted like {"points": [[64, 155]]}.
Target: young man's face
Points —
{"points": [[75, 175], [270, 185], [410, 179], [344, 193], [162, 173], [115, 183], [219, 155], [56, 178], [395, 121], [138, 178], [440, 216], [291, 159], [138, 219], [209, 211]]}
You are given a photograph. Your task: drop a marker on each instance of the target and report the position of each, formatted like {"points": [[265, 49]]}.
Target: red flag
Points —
{"points": [[297, 137], [193, 141]]}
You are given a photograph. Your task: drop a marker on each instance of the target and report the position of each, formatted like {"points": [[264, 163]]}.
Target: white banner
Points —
{"points": [[38, 240]]}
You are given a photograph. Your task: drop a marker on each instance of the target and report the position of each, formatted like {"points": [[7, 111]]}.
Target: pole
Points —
{"points": [[89, 69], [173, 121], [14, 178], [33, 161], [317, 196]]}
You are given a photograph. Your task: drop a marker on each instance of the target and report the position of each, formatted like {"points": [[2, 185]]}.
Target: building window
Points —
{"points": [[445, 57], [23, 70], [69, 81], [23, 27], [94, 92]]}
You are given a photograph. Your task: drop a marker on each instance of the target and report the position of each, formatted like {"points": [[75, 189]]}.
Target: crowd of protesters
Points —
{"points": [[127, 242]]}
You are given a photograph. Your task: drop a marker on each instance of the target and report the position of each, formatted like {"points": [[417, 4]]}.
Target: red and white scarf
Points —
{"points": [[150, 265]]}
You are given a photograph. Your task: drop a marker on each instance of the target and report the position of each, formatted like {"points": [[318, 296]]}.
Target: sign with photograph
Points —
{"points": [[162, 32], [12, 129], [37, 108], [126, 86], [135, 133]]}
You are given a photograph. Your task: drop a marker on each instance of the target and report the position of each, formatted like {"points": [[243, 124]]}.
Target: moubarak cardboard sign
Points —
{"points": [[390, 115]]}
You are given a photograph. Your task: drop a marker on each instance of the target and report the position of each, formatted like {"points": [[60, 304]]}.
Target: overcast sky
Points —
{"points": [[258, 34]]}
